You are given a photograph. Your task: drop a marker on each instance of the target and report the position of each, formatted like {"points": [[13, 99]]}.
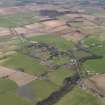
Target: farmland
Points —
{"points": [[52, 52], [17, 19], [82, 97], [28, 64], [98, 48], [9, 94], [53, 79]]}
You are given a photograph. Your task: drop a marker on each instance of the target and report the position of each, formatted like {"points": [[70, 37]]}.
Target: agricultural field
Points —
{"points": [[82, 98], [96, 46], [53, 78], [52, 52], [18, 19], [54, 40], [8, 93], [20, 61]]}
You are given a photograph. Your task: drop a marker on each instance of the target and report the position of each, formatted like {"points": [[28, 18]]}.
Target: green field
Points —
{"points": [[18, 19], [30, 65], [96, 47], [57, 77], [8, 94], [79, 97], [55, 41], [42, 89]]}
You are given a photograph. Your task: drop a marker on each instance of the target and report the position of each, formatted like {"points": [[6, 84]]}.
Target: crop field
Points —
{"points": [[54, 40], [39, 90], [80, 97], [29, 65], [96, 46], [18, 19], [57, 77], [8, 93], [52, 53]]}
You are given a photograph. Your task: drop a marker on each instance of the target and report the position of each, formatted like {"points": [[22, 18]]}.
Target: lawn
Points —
{"points": [[79, 97]]}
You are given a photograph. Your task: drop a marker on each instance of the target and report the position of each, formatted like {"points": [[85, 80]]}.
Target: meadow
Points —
{"points": [[28, 64], [18, 19], [79, 97], [97, 47], [56, 41], [8, 94]]}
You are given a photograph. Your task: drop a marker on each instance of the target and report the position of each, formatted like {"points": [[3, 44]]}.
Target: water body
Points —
{"points": [[27, 92], [50, 13]]}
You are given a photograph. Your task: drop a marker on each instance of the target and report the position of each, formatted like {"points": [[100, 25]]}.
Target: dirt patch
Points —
{"points": [[19, 77], [53, 23], [97, 84]]}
